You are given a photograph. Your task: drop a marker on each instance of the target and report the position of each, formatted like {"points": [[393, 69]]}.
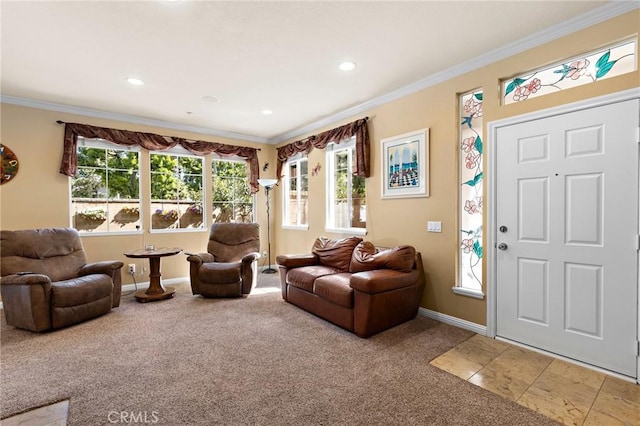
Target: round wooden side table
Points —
{"points": [[155, 290]]}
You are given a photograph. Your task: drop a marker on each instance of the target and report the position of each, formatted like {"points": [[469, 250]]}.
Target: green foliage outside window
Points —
{"points": [[106, 173], [232, 200], [175, 181]]}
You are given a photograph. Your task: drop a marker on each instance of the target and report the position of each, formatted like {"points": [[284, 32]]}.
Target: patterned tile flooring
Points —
{"points": [[568, 393]]}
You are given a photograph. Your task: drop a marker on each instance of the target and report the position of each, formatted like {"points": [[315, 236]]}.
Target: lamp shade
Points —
{"points": [[267, 183]]}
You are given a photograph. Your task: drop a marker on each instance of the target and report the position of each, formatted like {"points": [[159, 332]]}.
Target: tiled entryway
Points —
{"points": [[50, 415], [566, 392]]}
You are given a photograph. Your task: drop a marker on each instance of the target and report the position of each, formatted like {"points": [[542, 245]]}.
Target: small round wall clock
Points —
{"points": [[9, 167]]}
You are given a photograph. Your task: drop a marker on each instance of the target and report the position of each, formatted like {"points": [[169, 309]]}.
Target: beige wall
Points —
{"points": [[404, 221], [39, 195]]}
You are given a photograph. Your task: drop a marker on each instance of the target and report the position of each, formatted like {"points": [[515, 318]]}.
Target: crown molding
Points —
{"points": [[580, 22], [51, 106], [603, 13]]}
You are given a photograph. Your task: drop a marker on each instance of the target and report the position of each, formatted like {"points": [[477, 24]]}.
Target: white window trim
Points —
{"points": [[469, 292], [328, 227], [105, 144], [217, 157], [181, 152], [459, 288], [285, 193]]}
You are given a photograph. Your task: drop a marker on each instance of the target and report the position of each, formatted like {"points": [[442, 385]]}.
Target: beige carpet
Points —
{"points": [[256, 361]]}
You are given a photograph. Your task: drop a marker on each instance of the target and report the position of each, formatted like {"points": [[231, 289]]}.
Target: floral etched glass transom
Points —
{"points": [[471, 180], [610, 62]]}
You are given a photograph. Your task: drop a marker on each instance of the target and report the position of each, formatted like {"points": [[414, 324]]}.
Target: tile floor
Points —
{"points": [[51, 415], [571, 394], [568, 393]]}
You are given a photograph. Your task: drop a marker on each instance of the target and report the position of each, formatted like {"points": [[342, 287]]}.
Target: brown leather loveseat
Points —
{"points": [[47, 283], [354, 284]]}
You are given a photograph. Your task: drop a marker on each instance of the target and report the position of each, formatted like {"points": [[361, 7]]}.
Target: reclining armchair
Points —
{"points": [[230, 266], [46, 282]]}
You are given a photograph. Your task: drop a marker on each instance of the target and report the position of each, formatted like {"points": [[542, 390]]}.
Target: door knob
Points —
{"points": [[502, 246]]}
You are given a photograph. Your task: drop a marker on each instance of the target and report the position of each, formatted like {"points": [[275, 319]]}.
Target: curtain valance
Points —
{"points": [[152, 142], [358, 128]]}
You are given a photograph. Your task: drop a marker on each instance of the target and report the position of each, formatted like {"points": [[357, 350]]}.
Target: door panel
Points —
{"points": [[567, 275]]}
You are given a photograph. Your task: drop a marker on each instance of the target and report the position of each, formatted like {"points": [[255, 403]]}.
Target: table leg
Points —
{"points": [[155, 290]]}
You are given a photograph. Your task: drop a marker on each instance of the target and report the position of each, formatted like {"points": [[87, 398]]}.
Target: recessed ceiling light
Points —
{"points": [[209, 99], [347, 66], [135, 81], [267, 112]]}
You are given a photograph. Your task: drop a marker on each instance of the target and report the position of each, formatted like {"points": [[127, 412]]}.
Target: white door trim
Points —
{"points": [[492, 130]]}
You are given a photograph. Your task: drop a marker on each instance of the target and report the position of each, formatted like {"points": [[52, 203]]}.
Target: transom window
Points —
{"points": [[105, 193], [346, 193], [176, 191], [232, 199], [296, 193], [605, 63]]}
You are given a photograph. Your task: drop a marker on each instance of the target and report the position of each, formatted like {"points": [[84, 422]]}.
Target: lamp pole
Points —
{"points": [[268, 184], [269, 270]]}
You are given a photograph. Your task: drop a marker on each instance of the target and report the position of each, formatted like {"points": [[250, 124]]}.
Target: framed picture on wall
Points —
{"points": [[405, 165]]}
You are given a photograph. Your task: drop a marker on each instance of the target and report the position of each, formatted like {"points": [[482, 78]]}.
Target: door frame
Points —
{"points": [[491, 223]]}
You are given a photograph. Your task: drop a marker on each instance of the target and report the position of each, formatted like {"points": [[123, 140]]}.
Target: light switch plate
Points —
{"points": [[434, 226]]}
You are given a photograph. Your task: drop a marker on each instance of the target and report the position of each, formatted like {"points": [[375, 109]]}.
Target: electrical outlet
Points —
{"points": [[132, 268]]}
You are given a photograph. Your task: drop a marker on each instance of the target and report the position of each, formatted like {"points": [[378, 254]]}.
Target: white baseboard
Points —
{"points": [[456, 322]]}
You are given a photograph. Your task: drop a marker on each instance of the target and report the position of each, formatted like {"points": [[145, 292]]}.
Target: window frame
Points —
{"points": [[108, 145], [331, 150], [178, 151], [470, 195], [298, 159], [236, 159]]}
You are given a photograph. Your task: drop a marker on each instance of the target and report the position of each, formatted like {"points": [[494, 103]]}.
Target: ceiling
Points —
{"points": [[249, 56]]}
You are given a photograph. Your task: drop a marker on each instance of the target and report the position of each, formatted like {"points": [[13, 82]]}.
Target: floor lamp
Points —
{"points": [[268, 184]]}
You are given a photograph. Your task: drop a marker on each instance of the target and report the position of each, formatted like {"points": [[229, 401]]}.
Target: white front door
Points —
{"points": [[567, 218]]}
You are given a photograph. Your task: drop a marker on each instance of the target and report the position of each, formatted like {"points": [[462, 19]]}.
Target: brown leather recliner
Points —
{"points": [[230, 266], [46, 282]]}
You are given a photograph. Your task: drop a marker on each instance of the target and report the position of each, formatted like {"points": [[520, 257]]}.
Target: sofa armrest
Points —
{"points": [[200, 258], [113, 268], [105, 267], [247, 271], [26, 278], [26, 300], [248, 258], [297, 260], [381, 280]]}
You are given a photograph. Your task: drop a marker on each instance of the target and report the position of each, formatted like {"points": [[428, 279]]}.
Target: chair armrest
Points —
{"points": [[248, 258], [26, 278], [297, 260], [200, 258], [105, 267], [381, 280]]}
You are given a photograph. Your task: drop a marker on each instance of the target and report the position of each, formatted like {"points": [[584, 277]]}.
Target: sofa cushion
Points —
{"points": [[335, 288], [335, 253], [304, 276], [367, 257]]}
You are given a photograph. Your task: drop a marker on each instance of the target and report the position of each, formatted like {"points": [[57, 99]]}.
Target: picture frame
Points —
{"points": [[405, 165]]}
